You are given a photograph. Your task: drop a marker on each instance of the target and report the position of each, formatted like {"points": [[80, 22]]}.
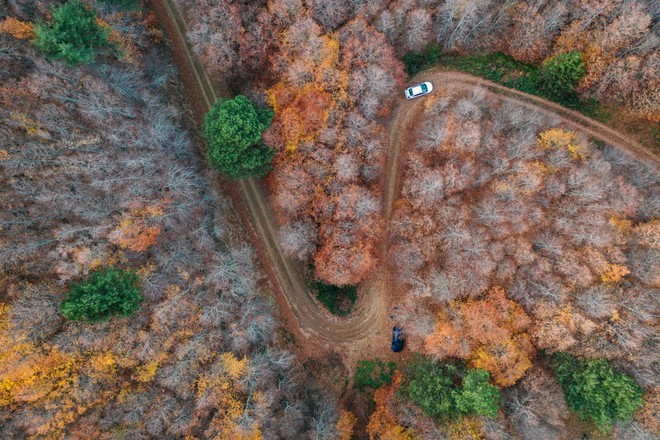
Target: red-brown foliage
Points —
{"points": [[382, 422], [490, 333], [301, 114], [328, 167], [536, 209]]}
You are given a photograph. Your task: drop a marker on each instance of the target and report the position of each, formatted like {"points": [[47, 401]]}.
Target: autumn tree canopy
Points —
{"points": [[494, 194], [104, 174], [488, 332], [497, 195], [233, 129]]}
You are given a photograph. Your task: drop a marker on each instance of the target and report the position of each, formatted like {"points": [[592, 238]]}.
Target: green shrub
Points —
{"points": [[433, 387], [429, 385], [104, 293], [338, 300], [73, 35], [497, 67], [558, 76], [595, 391], [478, 396], [233, 129], [373, 373], [416, 61]]}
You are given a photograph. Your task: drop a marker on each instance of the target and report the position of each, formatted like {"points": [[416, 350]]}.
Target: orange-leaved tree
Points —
{"points": [[303, 100], [300, 114], [382, 423], [136, 230], [489, 332], [17, 28], [345, 424], [220, 389]]}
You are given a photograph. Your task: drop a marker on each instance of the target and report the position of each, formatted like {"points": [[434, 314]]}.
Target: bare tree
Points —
{"points": [[331, 14]]}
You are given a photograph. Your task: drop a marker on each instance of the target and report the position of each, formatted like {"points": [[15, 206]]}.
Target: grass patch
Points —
{"points": [[496, 67], [373, 373], [503, 69], [338, 300]]}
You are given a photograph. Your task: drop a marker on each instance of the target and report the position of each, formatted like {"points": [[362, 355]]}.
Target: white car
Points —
{"points": [[419, 90]]}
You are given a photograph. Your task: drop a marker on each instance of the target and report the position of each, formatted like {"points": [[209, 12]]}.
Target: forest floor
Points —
{"points": [[366, 333]]}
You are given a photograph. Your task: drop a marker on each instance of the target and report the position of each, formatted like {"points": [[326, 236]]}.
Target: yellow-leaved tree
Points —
{"points": [[221, 388], [562, 139]]}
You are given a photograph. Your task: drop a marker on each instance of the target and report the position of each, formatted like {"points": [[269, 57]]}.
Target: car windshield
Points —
{"points": [[424, 88]]}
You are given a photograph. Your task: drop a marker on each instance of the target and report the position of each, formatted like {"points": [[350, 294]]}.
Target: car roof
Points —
{"points": [[417, 89]]}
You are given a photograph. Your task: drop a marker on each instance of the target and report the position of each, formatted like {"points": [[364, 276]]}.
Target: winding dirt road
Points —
{"points": [[288, 280], [369, 322]]}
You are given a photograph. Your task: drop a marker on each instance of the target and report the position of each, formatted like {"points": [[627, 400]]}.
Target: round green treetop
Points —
{"points": [[103, 294], [598, 392], [73, 35], [233, 129]]}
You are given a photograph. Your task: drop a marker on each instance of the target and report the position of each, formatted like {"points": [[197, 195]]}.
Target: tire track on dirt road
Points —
{"points": [[289, 282]]}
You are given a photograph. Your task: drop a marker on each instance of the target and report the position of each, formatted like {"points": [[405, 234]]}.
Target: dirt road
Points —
{"points": [[288, 281], [369, 323]]}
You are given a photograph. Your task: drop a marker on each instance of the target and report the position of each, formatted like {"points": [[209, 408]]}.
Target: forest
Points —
{"points": [[332, 69], [100, 169], [515, 237], [521, 255]]}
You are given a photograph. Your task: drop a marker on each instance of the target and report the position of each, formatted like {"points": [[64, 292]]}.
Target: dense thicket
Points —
{"points": [[373, 373], [515, 234], [96, 170]]}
